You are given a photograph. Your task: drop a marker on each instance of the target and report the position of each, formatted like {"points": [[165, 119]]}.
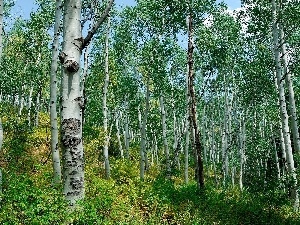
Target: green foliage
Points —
{"points": [[29, 199]]}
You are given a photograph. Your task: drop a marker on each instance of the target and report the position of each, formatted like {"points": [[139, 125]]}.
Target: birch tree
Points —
{"points": [[72, 101], [53, 96], [1, 129], [283, 110], [105, 109]]}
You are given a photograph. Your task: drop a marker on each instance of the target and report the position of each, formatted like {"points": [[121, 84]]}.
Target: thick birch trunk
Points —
{"points": [[283, 110], [72, 103], [105, 110]]}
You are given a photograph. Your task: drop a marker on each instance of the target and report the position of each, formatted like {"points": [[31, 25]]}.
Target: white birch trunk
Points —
{"points": [[1, 142], [275, 153], [21, 102], [214, 151], [290, 87], [186, 149], [1, 129], [164, 135], [225, 141], [72, 103], [119, 136], [242, 150], [53, 97], [143, 152], [105, 109], [127, 137], [37, 109], [1, 27], [29, 103], [284, 115]]}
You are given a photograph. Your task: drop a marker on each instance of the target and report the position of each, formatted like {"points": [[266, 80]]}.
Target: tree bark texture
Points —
{"points": [[71, 118], [53, 97], [283, 110], [193, 111], [105, 109]]}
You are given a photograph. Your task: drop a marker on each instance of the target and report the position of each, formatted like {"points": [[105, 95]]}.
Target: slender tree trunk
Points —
{"points": [[143, 152], [37, 108], [83, 80], [1, 27], [290, 87], [186, 150], [187, 126], [275, 153], [126, 136], [53, 97], [29, 103], [164, 136], [284, 115], [225, 160], [21, 102], [1, 129], [242, 149], [193, 110], [105, 90], [119, 136], [1, 142]]}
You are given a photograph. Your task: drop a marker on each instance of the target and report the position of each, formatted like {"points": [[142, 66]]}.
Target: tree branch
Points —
{"points": [[95, 27]]}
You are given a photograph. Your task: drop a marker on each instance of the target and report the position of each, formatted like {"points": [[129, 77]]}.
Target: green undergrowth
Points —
{"points": [[29, 198]]}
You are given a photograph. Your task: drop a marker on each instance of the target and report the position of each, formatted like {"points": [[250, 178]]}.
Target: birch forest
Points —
{"points": [[150, 112]]}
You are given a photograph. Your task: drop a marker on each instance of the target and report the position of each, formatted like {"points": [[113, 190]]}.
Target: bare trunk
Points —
{"points": [[193, 110], [1, 142], [283, 110], [53, 97], [118, 136], [105, 110], [127, 137], [290, 87], [143, 151], [72, 103], [164, 136]]}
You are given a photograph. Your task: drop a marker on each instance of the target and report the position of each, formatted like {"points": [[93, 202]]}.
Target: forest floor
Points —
{"points": [[29, 197]]}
